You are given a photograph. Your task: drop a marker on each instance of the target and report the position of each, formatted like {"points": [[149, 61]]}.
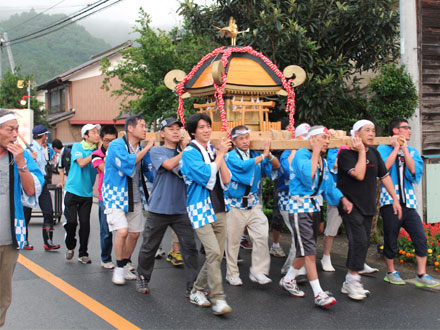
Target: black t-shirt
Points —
{"points": [[361, 193], [65, 160]]}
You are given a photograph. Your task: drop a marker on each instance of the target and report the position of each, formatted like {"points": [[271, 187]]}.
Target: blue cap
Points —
{"points": [[39, 130]]}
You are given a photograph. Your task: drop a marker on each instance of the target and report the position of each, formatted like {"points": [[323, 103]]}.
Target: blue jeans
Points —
{"points": [[105, 234]]}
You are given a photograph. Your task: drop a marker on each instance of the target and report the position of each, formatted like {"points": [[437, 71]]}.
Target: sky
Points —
{"points": [[163, 12], [114, 24]]}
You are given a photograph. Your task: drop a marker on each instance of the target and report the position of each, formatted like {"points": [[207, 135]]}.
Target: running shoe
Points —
{"points": [[142, 285], [198, 298], [277, 252], [221, 307], [324, 300], [427, 281], [292, 288], [84, 260], [394, 278]]}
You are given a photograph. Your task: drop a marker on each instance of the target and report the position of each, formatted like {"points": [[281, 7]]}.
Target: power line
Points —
{"points": [[29, 38], [61, 21], [39, 14]]}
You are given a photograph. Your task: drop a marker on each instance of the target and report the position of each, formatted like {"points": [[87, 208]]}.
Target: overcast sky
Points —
{"points": [[163, 12]]}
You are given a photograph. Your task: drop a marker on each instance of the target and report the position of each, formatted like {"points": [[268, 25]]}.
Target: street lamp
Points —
{"points": [[23, 101]]}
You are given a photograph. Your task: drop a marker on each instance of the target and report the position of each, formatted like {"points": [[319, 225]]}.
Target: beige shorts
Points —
{"points": [[334, 221], [134, 221]]}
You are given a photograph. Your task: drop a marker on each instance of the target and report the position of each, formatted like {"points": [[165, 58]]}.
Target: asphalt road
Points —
{"points": [[38, 304]]}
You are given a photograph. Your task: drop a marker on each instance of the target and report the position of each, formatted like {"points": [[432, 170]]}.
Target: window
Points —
{"points": [[56, 99]]}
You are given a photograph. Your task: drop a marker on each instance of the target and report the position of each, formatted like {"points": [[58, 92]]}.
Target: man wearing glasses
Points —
{"points": [[406, 168], [108, 134]]}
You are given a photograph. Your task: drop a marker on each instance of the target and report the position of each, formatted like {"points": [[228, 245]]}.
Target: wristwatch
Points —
{"points": [[23, 169]]}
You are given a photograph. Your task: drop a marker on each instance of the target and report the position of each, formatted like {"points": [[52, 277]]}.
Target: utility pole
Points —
{"points": [[409, 57], [8, 49], [1, 51]]}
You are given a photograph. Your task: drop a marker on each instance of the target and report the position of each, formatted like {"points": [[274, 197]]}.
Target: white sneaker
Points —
{"points": [[327, 265], [118, 276], [324, 300], [292, 288], [221, 307], [235, 281], [260, 278], [128, 275], [345, 290], [368, 270], [277, 252], [107, 265], [198, 298], [354, 290], [159, 253], [130, 266]]}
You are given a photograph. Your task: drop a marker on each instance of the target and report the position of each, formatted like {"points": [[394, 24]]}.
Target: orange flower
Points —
{"points": [[408, 254], [401, 261], [436, 269], [436, 263]]}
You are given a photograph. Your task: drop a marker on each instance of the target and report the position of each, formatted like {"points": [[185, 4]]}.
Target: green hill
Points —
{"points": [[52, 54]]}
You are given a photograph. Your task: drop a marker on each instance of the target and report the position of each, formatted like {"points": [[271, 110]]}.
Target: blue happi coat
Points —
{"points": [[283, 181], [199, 178], [120, 164], [302, 186], [245, 173], [409, 179], [20, 199]]}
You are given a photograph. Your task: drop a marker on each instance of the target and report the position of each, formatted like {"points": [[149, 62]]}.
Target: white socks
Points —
{"points": [[316, 287], [276, 245], [327, 263], [291, 274], [352, 278]]}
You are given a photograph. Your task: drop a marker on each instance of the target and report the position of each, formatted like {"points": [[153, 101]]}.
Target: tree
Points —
{"points": [[145, 67], [11, 95], [53, 53], [329, 39], [392, 95]]}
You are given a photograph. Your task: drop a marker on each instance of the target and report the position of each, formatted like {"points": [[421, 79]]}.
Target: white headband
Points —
{"points": [[359, 124], [7, 117], [302, 129], [317, 131], [242, 132]]}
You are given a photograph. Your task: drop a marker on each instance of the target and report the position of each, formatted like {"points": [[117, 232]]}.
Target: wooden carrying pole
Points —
{"points": [[258, 139]]}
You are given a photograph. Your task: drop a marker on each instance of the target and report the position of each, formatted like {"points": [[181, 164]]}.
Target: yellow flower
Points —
{"points": [[381, 247], [429, 250]]}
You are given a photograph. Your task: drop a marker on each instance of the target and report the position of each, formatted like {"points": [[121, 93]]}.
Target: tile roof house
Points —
{"points": [[75, 97]]}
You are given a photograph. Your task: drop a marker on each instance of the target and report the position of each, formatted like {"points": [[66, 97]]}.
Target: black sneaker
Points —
{"points": [[142, 285]]}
